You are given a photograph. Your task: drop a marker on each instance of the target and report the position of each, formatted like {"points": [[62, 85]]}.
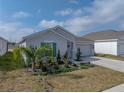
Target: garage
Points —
{"points": [[121, 49], [86, 49], [86, 46], [107, 42]]}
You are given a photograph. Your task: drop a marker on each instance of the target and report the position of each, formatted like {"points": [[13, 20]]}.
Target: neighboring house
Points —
{"points": [[11, 46], [3, 46], [59, 39], [108, 42]]}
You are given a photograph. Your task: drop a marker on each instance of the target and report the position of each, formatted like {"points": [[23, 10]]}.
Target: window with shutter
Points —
{"points": [[54, 49], [52, 44]]}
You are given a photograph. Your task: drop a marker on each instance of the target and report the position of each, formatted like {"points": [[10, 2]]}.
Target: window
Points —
{"points": [[52, 44]]}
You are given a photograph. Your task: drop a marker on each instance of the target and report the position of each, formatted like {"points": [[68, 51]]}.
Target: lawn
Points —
{"points": [[91, 79], [19, 80], [111, 56], [14, 77]]}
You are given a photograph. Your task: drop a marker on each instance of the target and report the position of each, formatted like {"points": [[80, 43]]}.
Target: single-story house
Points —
{"points": [[60, 39], [107, 42], [3, 46]]}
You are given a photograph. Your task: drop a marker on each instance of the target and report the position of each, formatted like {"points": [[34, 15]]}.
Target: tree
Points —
{"points": [[58, 57], [66, 60], [33, 55], [78, 55]]}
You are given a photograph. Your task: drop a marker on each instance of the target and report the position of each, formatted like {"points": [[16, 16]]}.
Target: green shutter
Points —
{"points": [[42, 44], [54, 49], [51, 44]]}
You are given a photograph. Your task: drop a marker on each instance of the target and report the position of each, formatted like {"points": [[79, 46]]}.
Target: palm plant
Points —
{"points": [[33, 55]]}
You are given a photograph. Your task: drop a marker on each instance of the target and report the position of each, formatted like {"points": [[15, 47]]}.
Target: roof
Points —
{"points": [[49, 29], [57, 30], [4, 39], [61, 31], [82, 39], [103, 35]]}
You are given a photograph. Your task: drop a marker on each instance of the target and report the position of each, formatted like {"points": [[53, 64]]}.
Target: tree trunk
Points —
{"points": [[33, 66]]}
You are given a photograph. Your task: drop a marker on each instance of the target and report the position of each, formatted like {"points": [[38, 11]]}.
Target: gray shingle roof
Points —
{"points": [[82, 39], [58, 31], [102, 35], [4, 39]]}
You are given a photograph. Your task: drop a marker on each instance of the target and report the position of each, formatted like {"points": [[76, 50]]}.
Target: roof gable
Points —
{"points": [[102, 35], [4, 39], [57, 29]]}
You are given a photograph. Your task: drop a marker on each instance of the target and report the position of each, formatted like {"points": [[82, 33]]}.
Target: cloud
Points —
{"points": [[69, 11], [20, 14], [48, 24], [64, 12], [101, 12], [78, 24], [14, 31]]}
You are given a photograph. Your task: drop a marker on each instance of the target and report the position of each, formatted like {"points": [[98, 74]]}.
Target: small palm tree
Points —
{"points": [[33, 55]]}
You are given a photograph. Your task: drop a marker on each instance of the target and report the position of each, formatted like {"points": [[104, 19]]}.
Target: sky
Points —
{"points": [[19, 18]]}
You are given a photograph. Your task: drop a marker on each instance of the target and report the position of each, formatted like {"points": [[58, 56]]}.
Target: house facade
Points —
{"points": [[3, 46], [60, 39], [108, 42]]}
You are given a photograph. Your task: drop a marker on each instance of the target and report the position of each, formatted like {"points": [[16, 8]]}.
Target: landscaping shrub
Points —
{"points": [[59, 61], [78, 55], [66, 60], [7, 63]]}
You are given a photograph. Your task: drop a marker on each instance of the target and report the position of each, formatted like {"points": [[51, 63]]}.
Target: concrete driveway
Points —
{"points": [[112, 64], [108, 63], [119, 88]]}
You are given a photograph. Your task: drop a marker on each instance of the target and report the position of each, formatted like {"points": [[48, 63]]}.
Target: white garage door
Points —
{"points": [[121, 49], [86, 50]]}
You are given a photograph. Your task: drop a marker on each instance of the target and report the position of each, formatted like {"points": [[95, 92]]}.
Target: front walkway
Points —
{"points": [[112, 64]]}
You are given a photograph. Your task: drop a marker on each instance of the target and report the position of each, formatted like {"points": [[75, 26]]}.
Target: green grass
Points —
{"points": [[7, 63], [86, 66], [110, 56]]}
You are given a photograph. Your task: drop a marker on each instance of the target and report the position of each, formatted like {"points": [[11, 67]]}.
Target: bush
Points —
{"points": [[7, 63], [59, 58], [78, 55], [66, 60], [63, 69]]}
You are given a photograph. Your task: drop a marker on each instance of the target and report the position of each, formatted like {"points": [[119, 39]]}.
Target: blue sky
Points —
{"points": [[19, 18]]}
